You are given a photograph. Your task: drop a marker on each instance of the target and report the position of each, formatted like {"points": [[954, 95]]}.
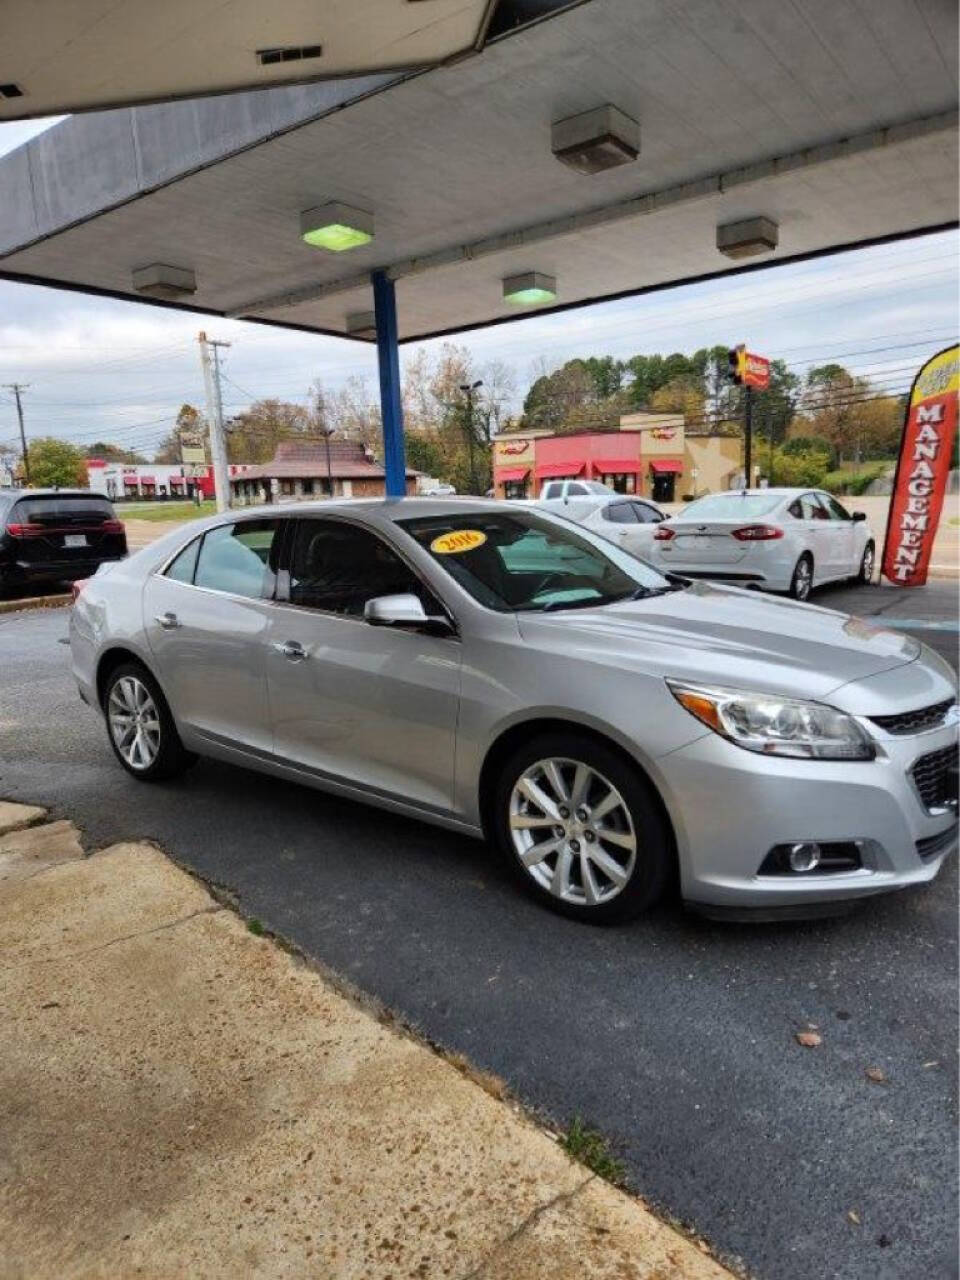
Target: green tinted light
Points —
{"points": [[531, 289], [336, 227]]}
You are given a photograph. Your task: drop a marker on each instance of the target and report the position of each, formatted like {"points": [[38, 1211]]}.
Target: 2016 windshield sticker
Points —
{"points": [[457, 541]]}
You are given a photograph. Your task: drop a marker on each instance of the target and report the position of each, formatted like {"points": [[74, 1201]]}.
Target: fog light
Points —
{"points": [[804, 857]]}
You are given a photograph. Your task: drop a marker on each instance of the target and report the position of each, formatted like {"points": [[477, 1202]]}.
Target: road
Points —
{"points": [[674, 1036]]}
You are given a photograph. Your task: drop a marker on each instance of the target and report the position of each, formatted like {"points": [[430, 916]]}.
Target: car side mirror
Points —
{"points": [[403, 610], [859, 516]]}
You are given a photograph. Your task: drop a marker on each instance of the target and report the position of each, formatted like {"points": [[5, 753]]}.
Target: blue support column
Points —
{"points": [[391, 402]]}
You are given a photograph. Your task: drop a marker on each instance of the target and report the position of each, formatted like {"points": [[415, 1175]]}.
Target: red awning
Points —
{"points": [[554, 470], [666, 466], [131, 480], [513, 473], [148, 480], [615, 466]]}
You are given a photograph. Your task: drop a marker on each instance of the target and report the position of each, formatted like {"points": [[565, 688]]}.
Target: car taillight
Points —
{"points": [[24, 530], [757, 533], [77, 587], [112, 526], [664, 534]]}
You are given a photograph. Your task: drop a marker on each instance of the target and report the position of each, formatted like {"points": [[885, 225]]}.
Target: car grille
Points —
{"points": [[915, 721], [935, 777]]}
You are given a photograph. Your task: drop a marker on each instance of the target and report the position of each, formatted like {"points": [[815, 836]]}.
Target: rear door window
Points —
{"points": [[184, 566], [238, 559], [620, 513]]}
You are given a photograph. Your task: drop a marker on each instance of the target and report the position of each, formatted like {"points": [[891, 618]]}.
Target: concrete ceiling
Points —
{"points": [[81, 55], [837, 120]]}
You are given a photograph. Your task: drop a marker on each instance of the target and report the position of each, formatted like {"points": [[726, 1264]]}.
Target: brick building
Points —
{"points": [[299, 471]]}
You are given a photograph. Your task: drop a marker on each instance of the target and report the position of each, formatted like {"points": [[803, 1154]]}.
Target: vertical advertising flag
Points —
{"points": [[921, 479]]}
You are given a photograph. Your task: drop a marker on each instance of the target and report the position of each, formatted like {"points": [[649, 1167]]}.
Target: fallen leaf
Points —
{"points": [[809, 1039], [934, 1063], [854, 1217], [875, 1074]]}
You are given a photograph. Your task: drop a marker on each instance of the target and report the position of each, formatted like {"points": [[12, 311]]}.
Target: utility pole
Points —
{"points": [[748, 434], [218, 448], [468, 388], [16, 388]]}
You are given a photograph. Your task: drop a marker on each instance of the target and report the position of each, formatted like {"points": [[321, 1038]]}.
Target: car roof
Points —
{"points": [[55, 493]]}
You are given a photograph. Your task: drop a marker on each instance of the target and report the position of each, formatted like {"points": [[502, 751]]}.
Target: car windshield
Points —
{"points": [[732, 506], [514, 561]]}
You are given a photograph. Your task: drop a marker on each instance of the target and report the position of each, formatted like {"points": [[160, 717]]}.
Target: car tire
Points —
{"points": [[136, 712], [867, 564], [616, 846], [801, 583]]}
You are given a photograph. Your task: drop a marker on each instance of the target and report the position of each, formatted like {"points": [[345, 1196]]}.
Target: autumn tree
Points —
{"points": [[56, 464], [102, 449], [849, 413], [189, 421], [254, 434]]}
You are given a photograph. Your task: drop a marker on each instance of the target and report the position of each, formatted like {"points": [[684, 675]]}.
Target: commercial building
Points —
{"points": [[649, 454], [147, 481], [311, 469]]}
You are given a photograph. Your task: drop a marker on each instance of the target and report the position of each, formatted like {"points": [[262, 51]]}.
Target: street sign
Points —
{"points": [[195, 471], [749, 370]]}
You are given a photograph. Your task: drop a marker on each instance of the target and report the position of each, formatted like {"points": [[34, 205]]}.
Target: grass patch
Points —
{"points": [[592, 1149], [162, 511], [255, 926]]}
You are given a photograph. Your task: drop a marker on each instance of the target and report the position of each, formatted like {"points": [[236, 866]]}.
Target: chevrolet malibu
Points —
{"points": [[506, 674]]}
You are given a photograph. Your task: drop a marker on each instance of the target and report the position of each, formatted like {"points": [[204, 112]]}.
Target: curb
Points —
{"points": [[35, 602]]}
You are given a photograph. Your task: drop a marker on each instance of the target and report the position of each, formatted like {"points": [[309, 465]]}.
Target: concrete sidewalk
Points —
{"points": [[180, 1097]]}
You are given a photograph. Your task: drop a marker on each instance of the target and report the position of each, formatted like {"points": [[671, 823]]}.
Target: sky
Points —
{"points": [[102, 369]]}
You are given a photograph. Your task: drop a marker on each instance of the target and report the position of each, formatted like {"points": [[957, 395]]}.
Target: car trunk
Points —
{"points": [[708, 542]]}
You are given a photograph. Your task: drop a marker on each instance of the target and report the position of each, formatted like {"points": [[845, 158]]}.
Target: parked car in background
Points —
{"points": [[779, 539], [441, 490], [56, 535], [504, 673], [560, 490], [628, 521]]}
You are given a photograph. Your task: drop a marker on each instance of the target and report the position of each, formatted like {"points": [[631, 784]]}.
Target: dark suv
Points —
{"points": [[55, 535]]}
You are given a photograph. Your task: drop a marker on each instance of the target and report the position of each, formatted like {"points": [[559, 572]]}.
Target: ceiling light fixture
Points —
{"points": [[596, 140], [165, 282], [362, 324], [336, 226], [747, 238], [530, 289]]}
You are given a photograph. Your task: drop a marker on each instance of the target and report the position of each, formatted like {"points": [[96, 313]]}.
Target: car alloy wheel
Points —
{"points": [[134, 722], [572, 831], [866, 564], [802, 579]]}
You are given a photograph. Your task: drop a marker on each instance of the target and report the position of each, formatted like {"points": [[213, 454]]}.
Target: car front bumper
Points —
{"points": [[730, 807]]}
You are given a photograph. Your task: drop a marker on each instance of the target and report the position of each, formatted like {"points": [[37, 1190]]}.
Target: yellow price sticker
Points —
{"points": [[457, 541]]}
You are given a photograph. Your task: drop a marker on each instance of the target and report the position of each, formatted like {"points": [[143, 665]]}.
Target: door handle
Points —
{"points": [[168, 621], [292, 650]]}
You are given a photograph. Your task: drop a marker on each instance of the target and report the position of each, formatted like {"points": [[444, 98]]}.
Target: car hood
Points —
{"points": [[727, 636]]}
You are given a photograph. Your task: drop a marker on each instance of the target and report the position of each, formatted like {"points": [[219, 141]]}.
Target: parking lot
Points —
{"points": [[675, 1037]]}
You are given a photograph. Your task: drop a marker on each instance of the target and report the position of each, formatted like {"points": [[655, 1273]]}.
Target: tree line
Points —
{"points": [[804, 425]]}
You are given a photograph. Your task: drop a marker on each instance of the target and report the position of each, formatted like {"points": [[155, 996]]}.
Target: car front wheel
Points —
{"points": [[581, 830], [802, 581], [866, 564], [141, 729]]}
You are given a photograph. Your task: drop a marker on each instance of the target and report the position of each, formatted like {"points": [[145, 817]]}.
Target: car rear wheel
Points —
{"points": [[581, 830], [141, 729], [866, 564], [802, 581]]}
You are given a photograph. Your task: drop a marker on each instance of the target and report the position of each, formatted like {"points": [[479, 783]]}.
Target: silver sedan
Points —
{"points": [[503, 673]]}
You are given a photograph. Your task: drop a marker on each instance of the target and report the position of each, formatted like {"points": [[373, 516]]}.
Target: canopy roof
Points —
{"points": [[80, 55], [838, 122]]}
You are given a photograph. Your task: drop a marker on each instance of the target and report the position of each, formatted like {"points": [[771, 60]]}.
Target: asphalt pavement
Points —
{"points": [[673, 1036]]}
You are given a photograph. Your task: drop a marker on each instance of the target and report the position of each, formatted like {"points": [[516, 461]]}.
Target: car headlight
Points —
{"points": [[776, 726]]}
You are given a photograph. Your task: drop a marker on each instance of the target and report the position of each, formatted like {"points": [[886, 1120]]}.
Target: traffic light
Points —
{"points": [[738, 360]]}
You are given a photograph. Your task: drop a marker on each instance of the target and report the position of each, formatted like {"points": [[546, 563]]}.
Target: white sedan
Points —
{"points": [[628, 521], [779, 539]]}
